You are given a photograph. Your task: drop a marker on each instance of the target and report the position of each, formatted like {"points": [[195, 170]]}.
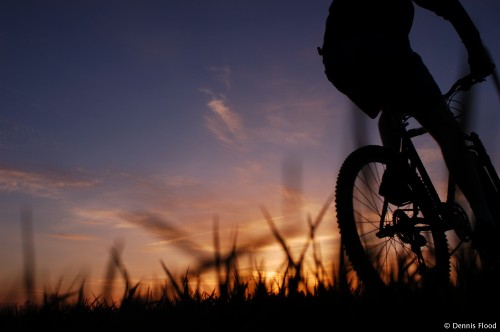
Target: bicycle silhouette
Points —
{"points": [[404, 237]]}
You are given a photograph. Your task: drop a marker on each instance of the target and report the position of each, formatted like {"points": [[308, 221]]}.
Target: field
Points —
{"points": [[242, 302]]}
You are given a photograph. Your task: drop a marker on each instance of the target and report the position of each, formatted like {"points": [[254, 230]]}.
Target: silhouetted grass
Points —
{"points": [[243, 302]]}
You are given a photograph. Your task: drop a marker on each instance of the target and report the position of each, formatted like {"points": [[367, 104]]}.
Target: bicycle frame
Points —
{"points": [[393, 221], [427, 196]]}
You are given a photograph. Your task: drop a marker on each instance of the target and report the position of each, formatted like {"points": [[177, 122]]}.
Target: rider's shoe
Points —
{"points": [[394, 186], [420, 240]]}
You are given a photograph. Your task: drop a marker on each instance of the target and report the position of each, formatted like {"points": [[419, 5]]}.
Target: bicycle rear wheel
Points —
{"points": [[386, 243]]}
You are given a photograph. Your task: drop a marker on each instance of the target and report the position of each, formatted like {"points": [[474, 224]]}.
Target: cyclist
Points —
{"points": [[368, 57]]}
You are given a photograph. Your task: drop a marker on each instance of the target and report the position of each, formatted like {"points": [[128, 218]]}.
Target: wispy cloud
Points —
{"points": [[223, 121], [223, 75], [181, 181], [295, 122], [249, 171], [41, 184], [72, 237]]}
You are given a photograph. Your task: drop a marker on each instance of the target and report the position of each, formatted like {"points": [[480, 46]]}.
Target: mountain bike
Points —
{"points": [[404, 237]]}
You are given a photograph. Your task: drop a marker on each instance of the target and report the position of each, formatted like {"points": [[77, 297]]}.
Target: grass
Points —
{"points": [[252, 302]]}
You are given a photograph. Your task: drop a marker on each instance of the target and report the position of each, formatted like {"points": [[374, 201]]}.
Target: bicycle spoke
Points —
{"points": [[382, 239]]}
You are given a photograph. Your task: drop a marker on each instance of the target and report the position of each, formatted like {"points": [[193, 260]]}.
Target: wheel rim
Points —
{"points": [[389, 257]]}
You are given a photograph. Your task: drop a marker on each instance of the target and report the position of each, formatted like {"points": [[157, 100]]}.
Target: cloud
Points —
{"points": [[295, 123], [72, 237], [224, 123], [181, 181], [223, 75], [39, 183], [249, 172]]}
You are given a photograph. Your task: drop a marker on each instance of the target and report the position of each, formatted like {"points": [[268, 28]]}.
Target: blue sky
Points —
{"points": [[115, 114]]}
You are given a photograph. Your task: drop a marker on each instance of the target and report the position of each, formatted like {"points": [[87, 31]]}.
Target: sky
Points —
{"points": [[142, 124]]}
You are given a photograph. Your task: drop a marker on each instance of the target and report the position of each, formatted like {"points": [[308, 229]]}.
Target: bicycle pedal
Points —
{"points": [[459, 222]]}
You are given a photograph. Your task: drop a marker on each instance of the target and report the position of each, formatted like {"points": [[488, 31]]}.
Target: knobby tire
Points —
{"points": [[378, 262]]}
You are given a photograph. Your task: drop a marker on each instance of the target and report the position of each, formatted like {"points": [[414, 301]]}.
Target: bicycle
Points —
{"points": [[404, 238]]}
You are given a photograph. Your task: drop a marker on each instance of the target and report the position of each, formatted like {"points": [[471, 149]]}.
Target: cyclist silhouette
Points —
{"points": [[368, 57]]}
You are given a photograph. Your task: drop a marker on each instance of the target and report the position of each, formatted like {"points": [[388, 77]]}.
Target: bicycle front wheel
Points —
{"points": [[386, 243]]}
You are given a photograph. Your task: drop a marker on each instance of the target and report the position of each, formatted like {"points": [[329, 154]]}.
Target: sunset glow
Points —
{"points": [[153, 128]]}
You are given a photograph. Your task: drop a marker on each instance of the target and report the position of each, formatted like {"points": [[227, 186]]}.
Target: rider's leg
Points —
{"points": [[389, 131], [439, 122], [394, 186]]}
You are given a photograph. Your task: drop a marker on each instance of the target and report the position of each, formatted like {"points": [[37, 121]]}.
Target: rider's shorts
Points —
{"points": [[380, 75]]}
